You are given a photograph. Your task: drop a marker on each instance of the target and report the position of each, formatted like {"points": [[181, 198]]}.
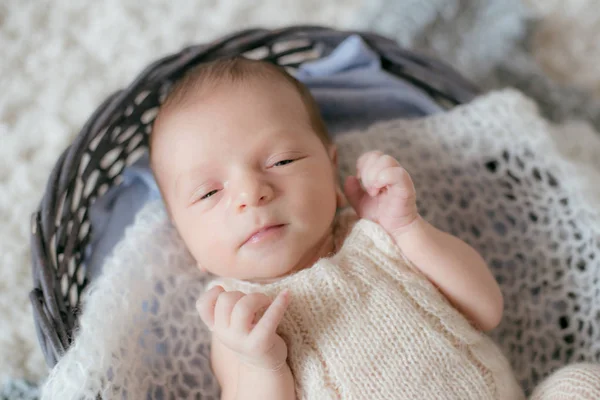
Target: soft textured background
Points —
{"points": [[61, 58]]}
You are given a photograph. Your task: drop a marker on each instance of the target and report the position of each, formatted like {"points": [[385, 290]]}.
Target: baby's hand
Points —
{"points": [[387, 194], [232, 316]]}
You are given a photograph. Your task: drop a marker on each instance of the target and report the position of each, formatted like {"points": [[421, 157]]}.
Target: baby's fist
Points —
{"points": [[234, 319], [383, 192]]}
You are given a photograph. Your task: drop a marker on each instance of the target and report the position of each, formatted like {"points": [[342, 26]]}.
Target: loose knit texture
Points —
{"points": [[523, 192], [574, 382], [365, 324]]}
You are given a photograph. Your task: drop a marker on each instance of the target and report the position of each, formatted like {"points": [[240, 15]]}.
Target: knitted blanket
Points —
{"points": [[492, 172]]}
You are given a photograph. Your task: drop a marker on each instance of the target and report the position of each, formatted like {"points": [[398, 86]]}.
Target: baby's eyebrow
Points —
{"points": [[188, 178]]}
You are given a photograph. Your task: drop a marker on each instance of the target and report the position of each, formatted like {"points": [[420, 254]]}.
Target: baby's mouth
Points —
{"points": [[264, 234]]}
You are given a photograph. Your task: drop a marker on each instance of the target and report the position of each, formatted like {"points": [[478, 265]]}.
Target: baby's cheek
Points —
{"points": [[215, 257], [317, 202], [205, 245]]}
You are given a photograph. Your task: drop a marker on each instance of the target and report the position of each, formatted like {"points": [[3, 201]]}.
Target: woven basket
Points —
{"points": [[116, 135]]}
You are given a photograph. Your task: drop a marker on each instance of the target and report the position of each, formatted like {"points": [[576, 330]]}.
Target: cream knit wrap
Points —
{"points": [[365, 324]]}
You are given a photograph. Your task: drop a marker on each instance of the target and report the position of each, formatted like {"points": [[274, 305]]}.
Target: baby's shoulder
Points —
{"points": [[352, 233]]}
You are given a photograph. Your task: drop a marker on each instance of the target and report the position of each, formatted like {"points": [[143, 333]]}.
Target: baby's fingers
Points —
{"points": [[266, 327], [354, 192], [224, 308], [372, 171], [245, 310], [206, 305], [365, 161], [396, 178]]}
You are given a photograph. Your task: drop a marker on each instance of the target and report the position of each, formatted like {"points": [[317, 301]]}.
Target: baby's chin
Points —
{"points": [[261, 267], [267, 271], [282, 262]]}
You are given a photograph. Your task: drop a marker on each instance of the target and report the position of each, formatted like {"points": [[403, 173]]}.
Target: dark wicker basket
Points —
{"points": [[117, 134]]}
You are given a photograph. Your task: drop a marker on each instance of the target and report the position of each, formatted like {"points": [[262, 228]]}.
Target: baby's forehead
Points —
{"points": [[223, 93], [219, 98], [178, 128]]}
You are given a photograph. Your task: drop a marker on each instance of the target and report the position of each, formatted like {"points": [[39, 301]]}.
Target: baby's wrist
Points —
{"points": [[265, 366], [273, 361], [409, 226]]}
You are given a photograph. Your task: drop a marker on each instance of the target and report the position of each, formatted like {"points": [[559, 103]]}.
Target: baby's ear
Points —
{"points": [[332, 151], [340, 197]]}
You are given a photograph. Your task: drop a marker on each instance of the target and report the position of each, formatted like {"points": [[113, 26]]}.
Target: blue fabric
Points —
{"points": [[352, 92]]}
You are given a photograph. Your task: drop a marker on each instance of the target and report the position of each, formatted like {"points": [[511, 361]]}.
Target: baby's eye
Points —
{"points": [[209, 194], [282, 163]]}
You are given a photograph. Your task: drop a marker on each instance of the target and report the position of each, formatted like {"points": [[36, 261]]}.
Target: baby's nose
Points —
{"points": [[254, 194]]}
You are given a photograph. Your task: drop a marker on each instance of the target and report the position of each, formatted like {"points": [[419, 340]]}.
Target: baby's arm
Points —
{"points": [[248, 358], [387, 196], [456, 269]]}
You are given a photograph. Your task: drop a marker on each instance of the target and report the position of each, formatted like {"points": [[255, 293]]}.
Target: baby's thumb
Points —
{"points": [[206, 305], [354, 192]]}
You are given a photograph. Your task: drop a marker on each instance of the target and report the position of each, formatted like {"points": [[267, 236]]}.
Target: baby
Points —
{"points": [[313, 302]]}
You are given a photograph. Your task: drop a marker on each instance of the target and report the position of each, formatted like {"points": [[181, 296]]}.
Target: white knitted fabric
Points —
{"points": [[140, 336], [365, 324], [492, 172], [573, 382], [498, 176]]}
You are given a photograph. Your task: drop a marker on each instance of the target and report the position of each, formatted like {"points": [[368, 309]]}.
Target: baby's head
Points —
{"points": [[247, 172]]}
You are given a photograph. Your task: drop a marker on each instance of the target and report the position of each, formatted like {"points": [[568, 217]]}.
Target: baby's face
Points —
{"points": [[250, 186]]}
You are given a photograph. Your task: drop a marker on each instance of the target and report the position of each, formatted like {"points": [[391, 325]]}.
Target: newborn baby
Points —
{"points": [[315, 301]]}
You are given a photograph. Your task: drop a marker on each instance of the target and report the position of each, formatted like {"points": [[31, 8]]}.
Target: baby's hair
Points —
{"points": [[207, 76]]}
